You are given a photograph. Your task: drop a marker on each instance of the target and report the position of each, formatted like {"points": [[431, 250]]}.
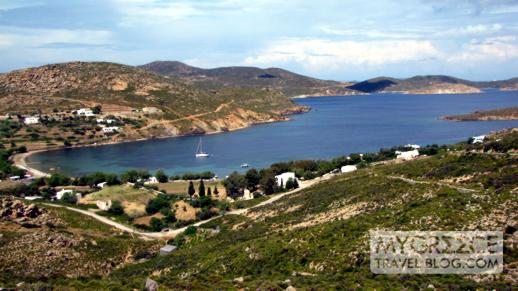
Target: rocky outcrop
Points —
{"points": [[17, 211], [484, 115]]}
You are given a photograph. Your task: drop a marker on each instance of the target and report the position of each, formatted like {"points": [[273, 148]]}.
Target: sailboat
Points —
{"points": [[199, 151]]}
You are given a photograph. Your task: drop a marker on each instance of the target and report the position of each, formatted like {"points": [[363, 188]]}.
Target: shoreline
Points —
{"points": [[19, 160]]}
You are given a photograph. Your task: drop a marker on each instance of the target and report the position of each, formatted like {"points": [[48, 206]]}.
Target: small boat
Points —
{"points": [[245, 165], [199, 151]]}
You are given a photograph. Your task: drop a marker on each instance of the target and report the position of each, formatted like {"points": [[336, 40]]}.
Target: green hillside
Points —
{"points": [[318, 238]]}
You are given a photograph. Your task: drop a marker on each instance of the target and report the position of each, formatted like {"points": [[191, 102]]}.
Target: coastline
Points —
{"points": [[19, 160]]}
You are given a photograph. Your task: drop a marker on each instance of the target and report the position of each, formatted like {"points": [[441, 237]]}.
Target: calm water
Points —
{"points": [[336, 126]]}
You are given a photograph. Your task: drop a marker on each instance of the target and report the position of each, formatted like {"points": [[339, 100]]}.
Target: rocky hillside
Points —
{"points": [[318, 238], [40, 244], [288, 82], [417, 85], [495, 114], [184, 108]]}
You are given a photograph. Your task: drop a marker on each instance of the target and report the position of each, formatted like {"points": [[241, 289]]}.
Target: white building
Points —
{"points": [[151, 180], [478, 139], [167, 249], [413, 146], [107, 121], [407, 155], [103, 205], [101, 185], [61, 193], [247, 195], [284, 177], [348, 168], [85, 112], [109, 129], [31, 120]]}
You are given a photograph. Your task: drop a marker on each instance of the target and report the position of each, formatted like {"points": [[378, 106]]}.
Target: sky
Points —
{"points": [[331, 39]]}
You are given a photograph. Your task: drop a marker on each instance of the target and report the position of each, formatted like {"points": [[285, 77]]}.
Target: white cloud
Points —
{"points": [[492, 49], [471, 30], [371, 33], [23, 38], [321, 54]]}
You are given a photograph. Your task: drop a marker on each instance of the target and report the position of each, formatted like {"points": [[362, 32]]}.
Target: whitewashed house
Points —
{"points": [[62, 193], [478, 139], [348, 168], [107, 121], [284, 177], [101, 185], [85, 112], [111, 129], [151, 180], [247, 195], [408, 155], [103, 205], [31, 120]]}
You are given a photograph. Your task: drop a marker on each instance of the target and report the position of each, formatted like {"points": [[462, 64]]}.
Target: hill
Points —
{"points": [[152, 105], [290, 83], [510, 113], [317, 238], [432, 84]]}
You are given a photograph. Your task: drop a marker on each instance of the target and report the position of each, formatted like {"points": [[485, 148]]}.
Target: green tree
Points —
{"points": [[290, 184], [130, 176], [201, 189], [116, 208], [252, 177], [69, 198], [234, 184], [191, 230], [216, 192], [161, 176], [209, 192], [156, 204], [157, 224], [191, 190], [268, 183], [295, 184], [58, 180]]}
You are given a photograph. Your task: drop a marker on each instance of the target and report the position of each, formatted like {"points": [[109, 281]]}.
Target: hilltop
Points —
{"points": [[154, 104], [432, 84], [289, 83]]}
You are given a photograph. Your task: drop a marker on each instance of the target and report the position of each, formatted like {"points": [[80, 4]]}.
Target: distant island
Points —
{"points": [[432, 84], [510, 113]]}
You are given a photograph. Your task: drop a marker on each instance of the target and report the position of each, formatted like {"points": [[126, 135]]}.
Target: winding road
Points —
{"points": [[174, 232]]}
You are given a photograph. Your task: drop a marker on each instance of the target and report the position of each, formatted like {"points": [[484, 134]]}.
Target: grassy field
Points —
{"points": [[180, 187], [133, 200]]}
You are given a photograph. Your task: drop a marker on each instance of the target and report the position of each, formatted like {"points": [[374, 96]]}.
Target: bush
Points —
{"points": [[69, 198], [190, 230], [161, 176], [116, 208], [156, 204]]}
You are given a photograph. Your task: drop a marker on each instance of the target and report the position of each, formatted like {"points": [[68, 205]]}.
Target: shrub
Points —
{"points": [[116, 208]]}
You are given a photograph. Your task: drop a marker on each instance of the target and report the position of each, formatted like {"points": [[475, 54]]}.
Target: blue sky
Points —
{"points": [[342, 40]]}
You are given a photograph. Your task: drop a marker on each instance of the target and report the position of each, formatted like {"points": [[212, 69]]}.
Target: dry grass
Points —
{"points": [[133, 200]]}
